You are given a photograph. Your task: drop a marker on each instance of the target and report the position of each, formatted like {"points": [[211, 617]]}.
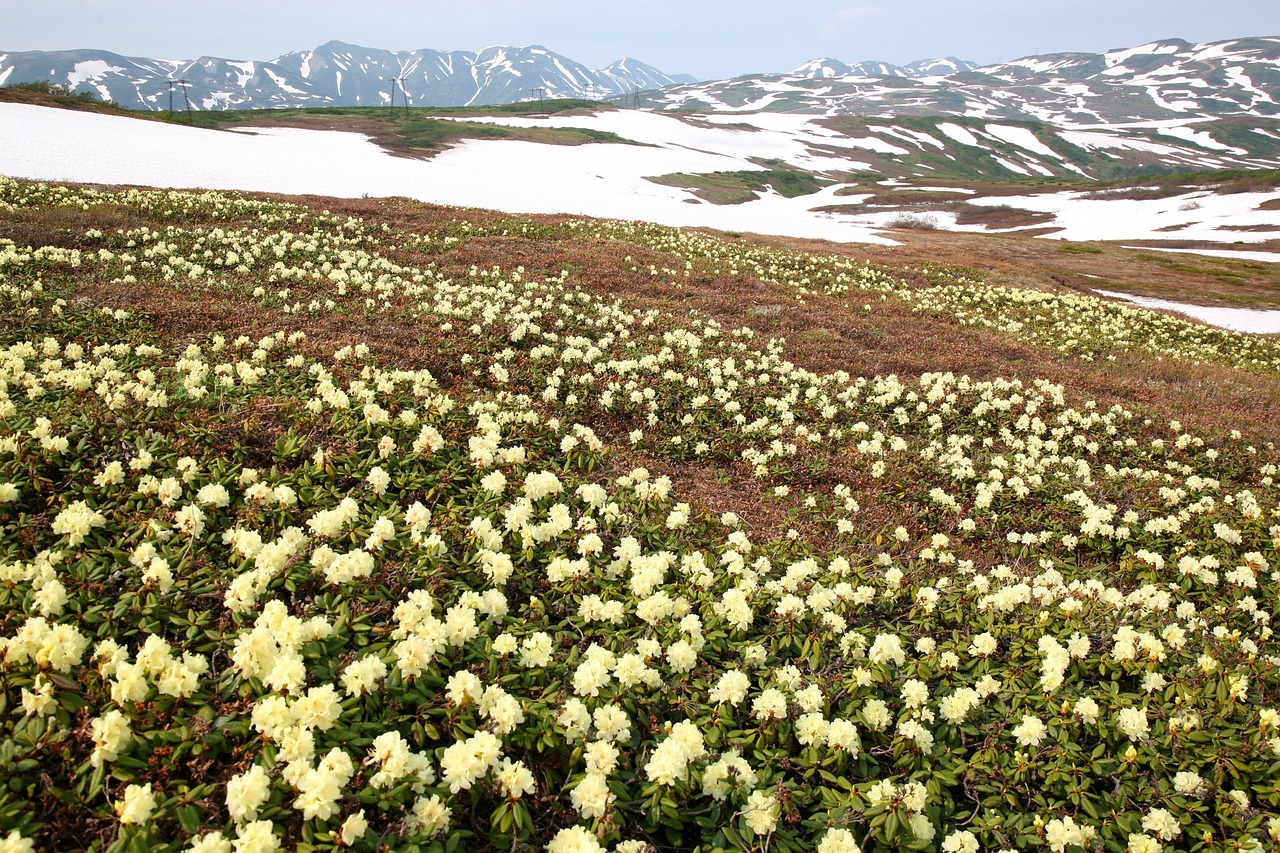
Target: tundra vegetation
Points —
{"points": [[389, 527]]}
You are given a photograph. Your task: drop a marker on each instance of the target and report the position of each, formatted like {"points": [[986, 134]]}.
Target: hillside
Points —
{"points": [[1167, 105], [764, 173], [1169, 79], [381, 525]]}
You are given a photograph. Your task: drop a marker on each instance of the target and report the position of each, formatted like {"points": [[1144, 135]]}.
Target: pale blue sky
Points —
{"points": [[707, 38]]}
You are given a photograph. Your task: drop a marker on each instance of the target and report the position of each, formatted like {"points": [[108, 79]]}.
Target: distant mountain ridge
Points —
{"points": [[335, 74], [1161, 80], [826, 67]]}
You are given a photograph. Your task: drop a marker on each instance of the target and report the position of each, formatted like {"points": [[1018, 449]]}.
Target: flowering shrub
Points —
{"points": [[255, 595]]}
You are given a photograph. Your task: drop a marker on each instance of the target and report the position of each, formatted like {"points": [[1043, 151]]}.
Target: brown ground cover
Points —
{"points": [[1001, 216], [823, 334], [1018, 260]]}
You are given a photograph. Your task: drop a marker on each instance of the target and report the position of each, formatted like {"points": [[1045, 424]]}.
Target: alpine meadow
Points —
{"points": [[386, 523]]}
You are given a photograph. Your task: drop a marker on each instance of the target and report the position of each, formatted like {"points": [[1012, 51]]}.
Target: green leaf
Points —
{"points": [[189, 818]]}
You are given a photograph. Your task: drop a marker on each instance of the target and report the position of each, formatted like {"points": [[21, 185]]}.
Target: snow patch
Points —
{"points": [[1237, 254], [90, 69], [1198, 215], [1200, 137], [959, 134], [1116, 57], [1011, 166], [1100, 139], [1251, 320], [282, 83], [606, 180], [1023, 138]]}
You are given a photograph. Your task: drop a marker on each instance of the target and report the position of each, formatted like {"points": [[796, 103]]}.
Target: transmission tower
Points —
{"points": [[184, 84]]}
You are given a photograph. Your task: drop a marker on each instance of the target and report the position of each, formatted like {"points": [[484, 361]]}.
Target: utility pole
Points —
{"points": [[540, 91], [184, 84]]}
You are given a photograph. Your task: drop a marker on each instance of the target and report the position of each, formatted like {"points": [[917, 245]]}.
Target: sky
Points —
{"points": [[710, 39]]}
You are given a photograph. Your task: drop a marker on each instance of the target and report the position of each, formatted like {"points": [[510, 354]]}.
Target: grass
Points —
{"points": [[1221, 180], [434, 134], [744, 186], [554, 106], [559, 106], [419, 131], [46, 94], [1227, 270]]}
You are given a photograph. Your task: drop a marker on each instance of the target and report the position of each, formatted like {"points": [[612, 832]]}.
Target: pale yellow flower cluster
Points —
{"points": [[1049, 537]]}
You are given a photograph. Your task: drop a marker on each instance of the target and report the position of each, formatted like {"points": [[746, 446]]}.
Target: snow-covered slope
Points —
{"points": [[334, 74], [1162, 80], [606, 179]]}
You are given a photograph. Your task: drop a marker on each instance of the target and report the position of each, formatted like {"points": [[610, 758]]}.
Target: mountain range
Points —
{"points": [[1168, 79], [1165, 105], [334, 74]]}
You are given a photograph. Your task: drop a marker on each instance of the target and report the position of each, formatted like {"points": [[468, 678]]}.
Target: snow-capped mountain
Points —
{"points": [[822, 68], [1170, 79], [1166, 105], [632, 75], [335, 74], [938, 67], [367, 76], [826, 67]]}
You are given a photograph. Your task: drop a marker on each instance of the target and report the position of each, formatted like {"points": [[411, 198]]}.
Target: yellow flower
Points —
{"points": [[246, 793], [761, 812], [138, 804]]}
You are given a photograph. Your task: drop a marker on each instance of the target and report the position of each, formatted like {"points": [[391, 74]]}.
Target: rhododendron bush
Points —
{"points": [[258, 592]]}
